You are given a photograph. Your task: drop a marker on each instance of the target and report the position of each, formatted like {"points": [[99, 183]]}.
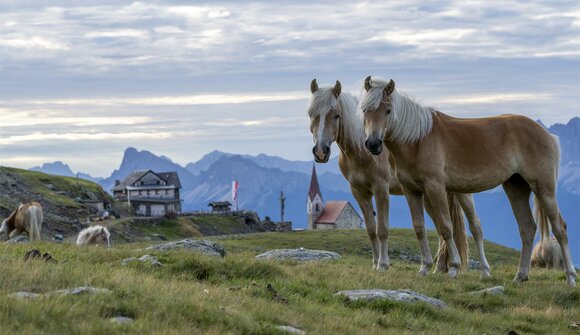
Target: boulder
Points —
{"points": [[290, 330], [143, 259], [18, 239], [203, 246], [299, 254], [406, 296], [496, 290], [71, 291], [121, 320]]}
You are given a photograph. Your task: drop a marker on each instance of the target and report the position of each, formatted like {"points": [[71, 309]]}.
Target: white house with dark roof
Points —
{"points": [[329, 215], [150, 193]]}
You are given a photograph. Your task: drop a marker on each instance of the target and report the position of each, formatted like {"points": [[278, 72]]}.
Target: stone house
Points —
{"points": [[329, 215], [149, 193], [220, 207]]}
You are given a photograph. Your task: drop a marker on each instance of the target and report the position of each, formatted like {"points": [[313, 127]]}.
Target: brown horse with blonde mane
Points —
{"points": [[435, 153], [334, 118], [26, 218]]}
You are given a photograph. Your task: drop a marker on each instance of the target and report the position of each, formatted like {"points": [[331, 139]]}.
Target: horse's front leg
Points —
{"points": [[415, 202], [441, 263], [468, 206], [438, 197], [382, 200], [365, 202]]}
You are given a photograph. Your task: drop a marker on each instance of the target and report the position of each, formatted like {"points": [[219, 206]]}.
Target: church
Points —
{"points": [[329, 215]]}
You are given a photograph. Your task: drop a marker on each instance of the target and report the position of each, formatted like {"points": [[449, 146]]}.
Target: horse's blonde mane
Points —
{"points": [[409, 121], [86, 233], [346, 104]]}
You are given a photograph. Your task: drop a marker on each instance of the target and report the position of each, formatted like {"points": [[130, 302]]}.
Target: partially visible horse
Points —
{"points": [[94, 235], [547, 252], [333, 117], [27, 218], [436, 153]]}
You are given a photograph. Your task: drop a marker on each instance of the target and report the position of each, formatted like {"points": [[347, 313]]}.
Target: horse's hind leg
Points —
{"points": [[415, 202], [366, 205], [547, 198], [518, 192], [441, 263], [468, 205], [382, 201]]}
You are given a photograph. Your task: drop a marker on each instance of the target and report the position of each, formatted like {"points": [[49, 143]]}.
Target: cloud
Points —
{"points": [[493, 98], [32, 43]]}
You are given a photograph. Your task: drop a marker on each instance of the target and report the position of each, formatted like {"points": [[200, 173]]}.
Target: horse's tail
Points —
{"points": [[541, 220], [35, 222], [459, 234]]}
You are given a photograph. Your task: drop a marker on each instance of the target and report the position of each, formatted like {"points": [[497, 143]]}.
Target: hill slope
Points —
{"points": [[197, 294]]}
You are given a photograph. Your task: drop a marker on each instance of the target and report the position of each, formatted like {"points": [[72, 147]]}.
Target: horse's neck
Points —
{"points": [[347, 145]]}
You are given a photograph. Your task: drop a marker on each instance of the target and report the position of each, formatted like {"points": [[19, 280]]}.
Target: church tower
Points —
{"points": [[314, 206]]}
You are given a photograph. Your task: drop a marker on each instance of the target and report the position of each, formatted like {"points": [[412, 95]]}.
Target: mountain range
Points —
{"points": [[262, 177]]}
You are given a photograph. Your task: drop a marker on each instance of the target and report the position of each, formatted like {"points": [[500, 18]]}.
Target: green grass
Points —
{"points": [[37, 183], [197, 294]]}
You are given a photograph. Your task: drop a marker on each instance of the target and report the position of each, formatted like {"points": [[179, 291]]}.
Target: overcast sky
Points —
{"points": [[80, 82]]}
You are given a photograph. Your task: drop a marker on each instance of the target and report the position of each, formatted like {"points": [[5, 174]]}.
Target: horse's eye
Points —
{"points": [[388, 111], [337, 116]]}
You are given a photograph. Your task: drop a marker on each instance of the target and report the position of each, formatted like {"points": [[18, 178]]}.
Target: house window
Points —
{"points": [[316, 207], [148, 192], [140, 192], [166, 191], [156, 191]]}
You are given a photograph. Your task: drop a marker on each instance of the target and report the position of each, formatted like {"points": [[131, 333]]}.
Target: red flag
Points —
{"points": [[235, 192]]}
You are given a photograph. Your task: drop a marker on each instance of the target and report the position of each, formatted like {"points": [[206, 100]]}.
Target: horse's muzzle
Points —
{"points": [[321, 153], [375, 147]]}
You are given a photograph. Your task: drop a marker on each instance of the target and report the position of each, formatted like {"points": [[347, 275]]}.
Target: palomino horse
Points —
{"points": [[435, 153], [94, 235], [27, 218], [333, 117]]}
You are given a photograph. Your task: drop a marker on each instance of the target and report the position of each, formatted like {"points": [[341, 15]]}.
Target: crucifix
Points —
{"points": [[282, 200]]}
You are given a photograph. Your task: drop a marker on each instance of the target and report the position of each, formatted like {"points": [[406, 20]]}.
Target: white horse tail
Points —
{"points": [[459, 234], [541, 220], [35, 223]]}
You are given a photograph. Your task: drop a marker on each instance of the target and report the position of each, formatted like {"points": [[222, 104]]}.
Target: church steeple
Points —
{"points": [[315, 205], [314, 187]]}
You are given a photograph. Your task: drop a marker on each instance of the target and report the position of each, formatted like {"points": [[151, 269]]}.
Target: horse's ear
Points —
{"points": [[313, 86], [368, 83], [336, 89], [390, 87]]}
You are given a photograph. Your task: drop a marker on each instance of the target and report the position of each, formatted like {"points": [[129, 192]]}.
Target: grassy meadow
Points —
{"points": [[198, 294]]}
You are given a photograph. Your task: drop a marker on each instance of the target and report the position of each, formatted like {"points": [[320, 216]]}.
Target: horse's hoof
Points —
{"points": [[382, 267], [571, 280], [485, 274], [520, 278], [424, 271]]}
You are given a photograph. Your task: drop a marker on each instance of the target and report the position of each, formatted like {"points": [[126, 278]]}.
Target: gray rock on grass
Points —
{"points": [[291, 330], [406, 296], [299, 254], [496, 290], [18, 239], [71, 291], [203, 246], [143, 259], [121, 320]]}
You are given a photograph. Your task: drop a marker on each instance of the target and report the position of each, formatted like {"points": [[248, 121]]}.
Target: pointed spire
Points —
{"points": [[314, 187]]}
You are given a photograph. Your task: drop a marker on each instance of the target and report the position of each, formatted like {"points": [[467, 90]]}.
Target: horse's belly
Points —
{"points": [[476, 181]]}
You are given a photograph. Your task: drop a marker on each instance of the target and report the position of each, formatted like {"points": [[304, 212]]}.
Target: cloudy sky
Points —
{"points": [[80, 82]]}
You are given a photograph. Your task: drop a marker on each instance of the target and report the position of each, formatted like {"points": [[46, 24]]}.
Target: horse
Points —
{"points": [[547, 252], [436, 153], [26, 218], [333, 118], [94, 235]]}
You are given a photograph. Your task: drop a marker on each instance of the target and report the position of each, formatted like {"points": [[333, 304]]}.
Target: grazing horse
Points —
{"points": [[436, 153], [333, 117], [94, 235], [27, 218]]}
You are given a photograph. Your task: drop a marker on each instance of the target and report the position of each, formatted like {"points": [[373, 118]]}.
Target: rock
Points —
{"points": [[143, 259], [300, 254], [121, 320], [80, 290], [25, 295], [58, 238], [18, 239], [203, 246], [496, 290], [158, 237], [406, 296], [472, 264], [290, 330], [72, 291], [35, 253]]}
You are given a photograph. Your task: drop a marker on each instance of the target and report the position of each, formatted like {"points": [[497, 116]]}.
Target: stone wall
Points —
{"points": [[349, 219]]}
